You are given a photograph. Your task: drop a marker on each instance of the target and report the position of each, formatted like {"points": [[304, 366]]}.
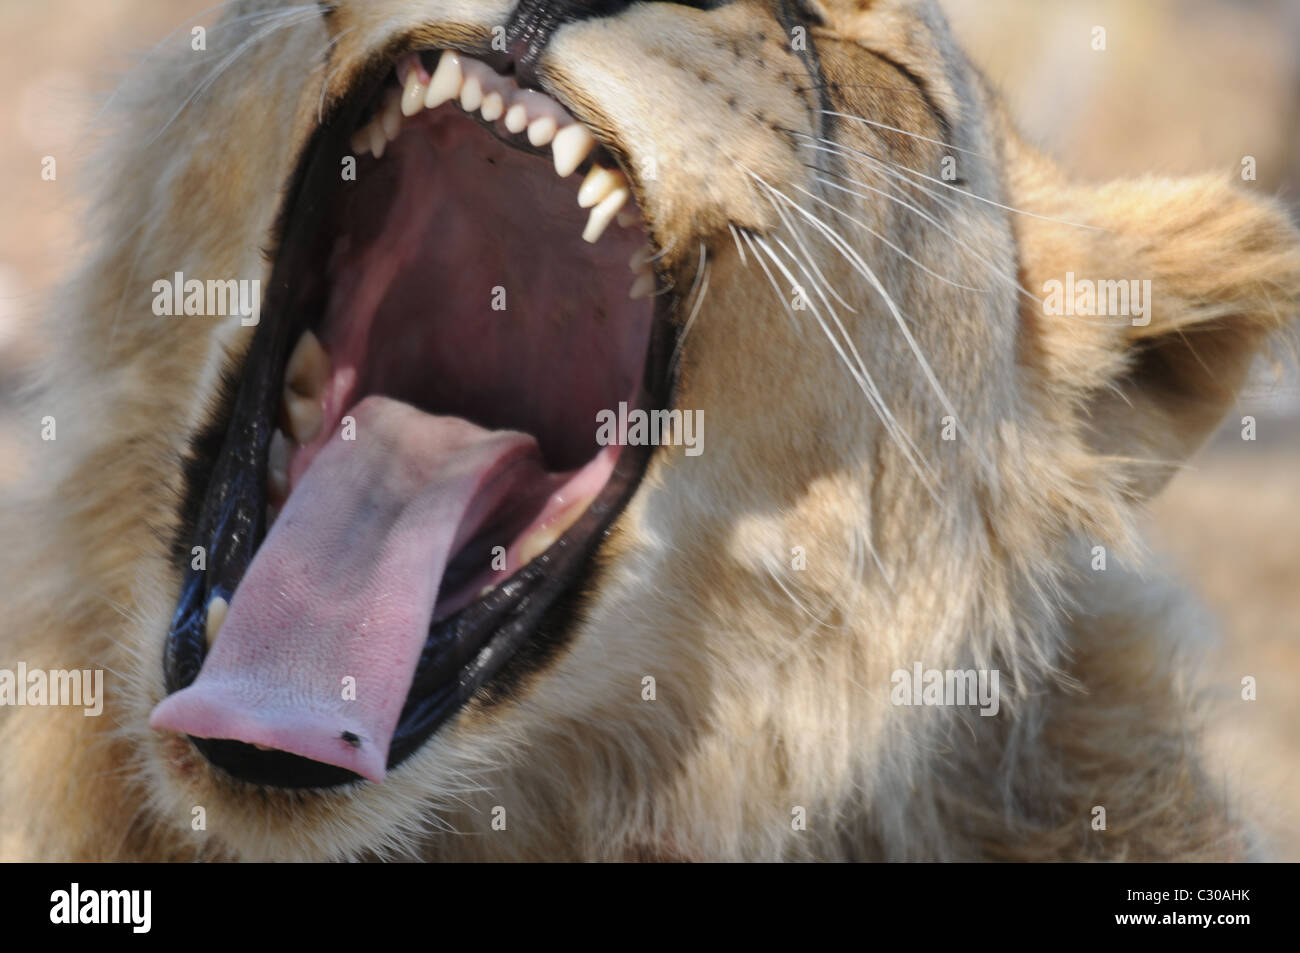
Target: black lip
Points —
{"points": [[225, 508]]}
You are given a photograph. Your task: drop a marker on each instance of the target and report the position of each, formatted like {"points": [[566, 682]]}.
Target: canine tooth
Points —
{"points": [[599, 183], [378, 141], [305, 417], [446, 82], [471, 94], [413, 95], [216, 615], [643, 287], [277, 464], [493, 107], [603, 214], [308, 367], [391, 118], [571, 145], [517, 118], [361, 142], [541, 131]]}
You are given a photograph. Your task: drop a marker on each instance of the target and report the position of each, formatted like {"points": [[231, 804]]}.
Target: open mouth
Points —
{"points": [[409, 487]]}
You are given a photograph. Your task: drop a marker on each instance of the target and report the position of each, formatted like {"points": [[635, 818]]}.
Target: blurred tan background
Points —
{"points": [[1188, 86], [1182, 86]]}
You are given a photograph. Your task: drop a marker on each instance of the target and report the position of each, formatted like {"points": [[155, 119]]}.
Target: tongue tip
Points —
{"points": [[209, 712]]}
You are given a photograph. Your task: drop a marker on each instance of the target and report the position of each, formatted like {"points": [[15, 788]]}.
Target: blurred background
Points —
{"points": [[1182, 86], [1188, 86]]}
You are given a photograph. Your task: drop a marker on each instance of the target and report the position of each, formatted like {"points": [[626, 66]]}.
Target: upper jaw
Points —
{"points": [[526, 118]]}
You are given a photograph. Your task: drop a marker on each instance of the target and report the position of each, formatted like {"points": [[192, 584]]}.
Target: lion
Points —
{"points": [[852, 570]]}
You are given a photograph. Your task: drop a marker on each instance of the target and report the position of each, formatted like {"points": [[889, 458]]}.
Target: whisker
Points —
{"points": [[847, 150], [865, 381], [857, 370], [809, 258], [899, 251], [325, 84], [863, 268], [740, 248], [910, 135], [767, 564], [292, 16], [148, 54], [702, 272], [926, 216]]}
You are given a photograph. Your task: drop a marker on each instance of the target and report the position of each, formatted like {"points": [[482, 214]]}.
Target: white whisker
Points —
{"points": [[847, 150], [895, 248], [292, 16], [702, 271], [904, 132], [926, 216], [865, 270], [325, 84]]}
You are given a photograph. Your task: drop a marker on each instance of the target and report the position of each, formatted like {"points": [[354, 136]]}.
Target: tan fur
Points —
{"points": [[773, 686]]}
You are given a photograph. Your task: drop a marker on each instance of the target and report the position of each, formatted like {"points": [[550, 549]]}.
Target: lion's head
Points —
{"points": [[374, 575]]}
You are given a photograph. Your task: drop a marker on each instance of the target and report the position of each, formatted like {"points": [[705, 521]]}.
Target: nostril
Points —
{"points": [[534, 22], [530, 29], [523, 63]]}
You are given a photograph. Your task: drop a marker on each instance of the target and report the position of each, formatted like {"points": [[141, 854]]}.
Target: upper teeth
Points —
{"points": [[476, 87]]}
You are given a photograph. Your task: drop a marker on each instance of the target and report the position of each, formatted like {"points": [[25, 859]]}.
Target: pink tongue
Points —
{"points": [[343, 588]]}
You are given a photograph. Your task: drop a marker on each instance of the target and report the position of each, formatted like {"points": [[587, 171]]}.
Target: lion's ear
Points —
{"points": [[1147, 321]]}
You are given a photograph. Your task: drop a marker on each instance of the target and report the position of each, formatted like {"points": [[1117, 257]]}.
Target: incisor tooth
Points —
{"points": [[413, 95], [308, 367], [361, 142], [378, 141], [541, 131], [446, 81], [629, 217], [571, 145], [643, 287], [540, 540], [517, 118], [216, 615], [599, 183], [277, 464], [471, 95], [305, 416], [603, 214], [493, 107]]}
